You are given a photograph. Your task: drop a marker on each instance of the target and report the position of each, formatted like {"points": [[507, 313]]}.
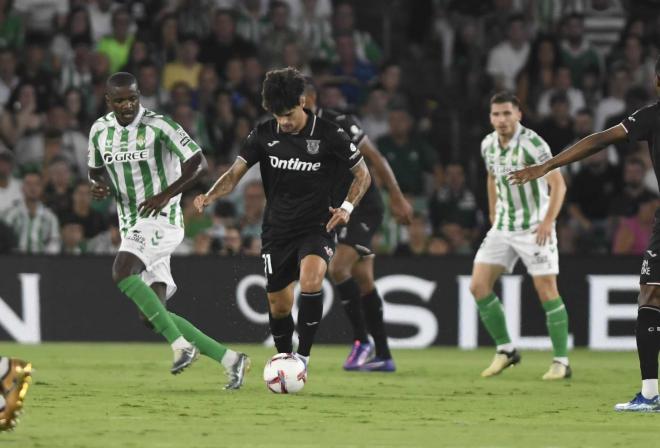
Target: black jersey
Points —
{"points": [[644, 124], [298, 172], [371, 202]]}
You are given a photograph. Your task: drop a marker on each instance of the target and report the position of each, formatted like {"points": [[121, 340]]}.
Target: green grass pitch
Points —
{"points": [[122, 395]]}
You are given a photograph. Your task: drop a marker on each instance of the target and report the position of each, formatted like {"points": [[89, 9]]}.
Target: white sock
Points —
{"points": [[4, 366], [561, 359], [180, 343], [649, 388], [304, 358], [506, 347], [229, 359]]}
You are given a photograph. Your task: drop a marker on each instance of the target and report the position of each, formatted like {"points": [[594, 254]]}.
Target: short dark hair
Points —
{"points": [[121, 79], [633, 160], [505, 97], [282, 90]]}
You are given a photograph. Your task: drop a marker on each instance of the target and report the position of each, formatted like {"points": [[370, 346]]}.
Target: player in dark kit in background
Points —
{"points": [[352, 267], [300, 157], [642, 125]]}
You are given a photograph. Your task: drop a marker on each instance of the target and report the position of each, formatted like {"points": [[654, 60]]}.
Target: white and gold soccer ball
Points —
{"points": [[285, 373]]}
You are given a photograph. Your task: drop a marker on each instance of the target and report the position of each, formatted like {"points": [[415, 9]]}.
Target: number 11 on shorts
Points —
{"points": [[268, 266]]}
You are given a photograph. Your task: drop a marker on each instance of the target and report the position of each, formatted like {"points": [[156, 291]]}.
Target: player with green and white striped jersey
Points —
{"points": [[523, 227], [150, 160]]}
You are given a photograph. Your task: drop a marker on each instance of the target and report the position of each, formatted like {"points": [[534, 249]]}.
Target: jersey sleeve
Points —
{"points": [[251, 149], [177, 140], [485, 144], [537, 151], [344, 149], [95, 158], [353, 128], [639, 125]]}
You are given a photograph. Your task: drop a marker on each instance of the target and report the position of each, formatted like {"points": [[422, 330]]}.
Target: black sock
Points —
{"points": [[373, 313], [648, 340], [349, 294], [282, 331], [310, 313]]}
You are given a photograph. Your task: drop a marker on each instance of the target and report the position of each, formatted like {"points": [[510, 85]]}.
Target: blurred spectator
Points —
{"points": [[254, 202], [194, 18], [354, 73], [231, 242], [417, 239], [118, 45], [186, 67], [409, 156], [641, 69], [77, 27], [438, 246], [314, 29], [168, 39], [562, 84], [557, 129], [591, 192], [138, 55], [374, 114], [202, 244], [76, 72], [224, 215], [293, 56], [74, 143], [77, 109], [577, 53], [100, 14], [633, 234], [332, 97], [34, 69], [223, 43], [506, 59], [43, 17], [627, 200], [208, 83], [180, 95], [151, 96], [538, 74], [251, 247], [603, 21], [35, 226], [194, 222], [253, 78], [220, 123], [635, 98], [191, 123], [343, 23], [8, 78], [618, 82], [277, 36], [107, 242], [58, 190], [73, 241], [251, 24], [10, 186], [458, 238], [390, 82], [454, 202], [92, 222], [11, 26], [20, 124]]}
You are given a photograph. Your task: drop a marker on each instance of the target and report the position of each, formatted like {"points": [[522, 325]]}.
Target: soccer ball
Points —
{"points": [[285, 374]]}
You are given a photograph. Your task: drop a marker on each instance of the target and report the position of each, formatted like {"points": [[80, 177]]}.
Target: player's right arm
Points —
{"points": [[223, 186], [492, 197], [96, 175]]}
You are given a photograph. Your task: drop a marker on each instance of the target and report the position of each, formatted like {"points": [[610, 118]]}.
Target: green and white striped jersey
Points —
{"points": [[142, 159], [518, 207], [36, 235]]}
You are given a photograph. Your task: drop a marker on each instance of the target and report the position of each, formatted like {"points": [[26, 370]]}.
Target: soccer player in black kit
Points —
{"points": [[643, 125], [301, 156], [352, 267]]}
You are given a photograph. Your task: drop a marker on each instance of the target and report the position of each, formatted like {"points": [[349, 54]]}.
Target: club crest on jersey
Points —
{"points": [[313, 146]]}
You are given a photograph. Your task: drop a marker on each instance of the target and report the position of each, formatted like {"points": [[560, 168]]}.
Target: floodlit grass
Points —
{"points": [[122, 395]]}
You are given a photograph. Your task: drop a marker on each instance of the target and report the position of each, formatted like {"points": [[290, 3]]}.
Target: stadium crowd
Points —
{"points": [[418, 74]]}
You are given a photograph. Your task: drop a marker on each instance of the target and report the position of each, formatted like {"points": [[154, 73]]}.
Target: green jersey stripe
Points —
{"points": [[144, 166], [526, 211], [128, 179], [158, 155], [172, 214], [98, 159], [512, 209], [169, 143]]}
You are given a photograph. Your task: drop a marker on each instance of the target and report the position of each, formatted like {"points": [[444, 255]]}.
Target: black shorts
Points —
{"points": [[282, 257], [360, 231], [650, 273]]}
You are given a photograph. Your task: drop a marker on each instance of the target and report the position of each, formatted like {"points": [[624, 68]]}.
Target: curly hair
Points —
{"points": [[282, 90]]}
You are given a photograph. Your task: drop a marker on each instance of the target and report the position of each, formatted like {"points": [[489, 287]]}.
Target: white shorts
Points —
{"points": [[505, 248], [153, 240]]}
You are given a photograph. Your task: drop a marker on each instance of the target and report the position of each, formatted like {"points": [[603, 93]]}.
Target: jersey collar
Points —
{"points": [[310, 126], [134, 123], [514, 138]]}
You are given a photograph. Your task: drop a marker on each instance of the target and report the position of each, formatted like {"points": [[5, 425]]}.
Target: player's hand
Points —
{"points": [[99, 190], [543, 233], [201, 201], [153, 205], [527, 174], [401, 209], [340, 217]]}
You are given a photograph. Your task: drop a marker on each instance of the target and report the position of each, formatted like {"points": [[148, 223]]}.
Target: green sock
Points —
{"points": [[149, 303], [557, 322], [206, 345], [492, 315]]}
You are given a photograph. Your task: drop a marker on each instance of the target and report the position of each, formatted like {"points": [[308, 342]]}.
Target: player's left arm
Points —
{"points": [[190, 171], [361, 180], [401, 208], [557, 193]]}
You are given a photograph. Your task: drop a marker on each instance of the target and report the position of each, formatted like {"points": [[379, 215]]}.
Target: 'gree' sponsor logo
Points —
{"points": [[293, 164], [121, 157]]}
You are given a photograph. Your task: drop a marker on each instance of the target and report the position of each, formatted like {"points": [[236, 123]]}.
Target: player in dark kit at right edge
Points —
{"points": [[643, 125], [352, 267], [300, 157]]}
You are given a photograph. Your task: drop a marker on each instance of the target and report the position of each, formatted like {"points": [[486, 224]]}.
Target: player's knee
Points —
{"points": [[479, 290], [338, 273], [279, 310], [366, 285], [311, 283]]}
